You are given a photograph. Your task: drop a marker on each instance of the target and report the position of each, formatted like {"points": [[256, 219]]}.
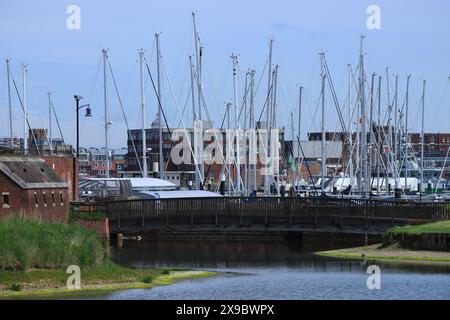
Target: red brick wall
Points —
{"points": [[22, 202], [100, 226], [63, 166]]}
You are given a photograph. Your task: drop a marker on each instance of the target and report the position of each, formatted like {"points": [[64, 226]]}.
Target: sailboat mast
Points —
{"points": [[229, 164], [350, 124], [292, 148], [300, 93], [324, 160], [144, 136], [9, 106], [389, 139], [158, 71], [396, 134], [274, 125], [422, 138], [378, 135], [194, 118], [253, 122], [268, 107], [246, 86], [236, 126], [405, 161], [191, 67], [24, 102], [370, 151], [363, 138], [50, 142], [107, 123], [197, 59]]}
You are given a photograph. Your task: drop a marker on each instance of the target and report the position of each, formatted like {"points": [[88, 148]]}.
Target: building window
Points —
{"points": [[35, 200], [45, 199], [5, 196], [61, 198], [53, 199]]}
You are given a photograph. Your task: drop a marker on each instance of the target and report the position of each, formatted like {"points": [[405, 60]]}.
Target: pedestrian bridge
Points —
{"points": [[264, 214]]}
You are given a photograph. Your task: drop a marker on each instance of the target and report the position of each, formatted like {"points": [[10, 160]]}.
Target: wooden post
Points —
{"points": [[143, 213], [192, 212], [266, 219], [290, 210], [367, 217], [167, 219], [216, 213]]}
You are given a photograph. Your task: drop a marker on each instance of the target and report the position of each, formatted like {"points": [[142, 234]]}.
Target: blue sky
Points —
{"points": [[414, 38]]}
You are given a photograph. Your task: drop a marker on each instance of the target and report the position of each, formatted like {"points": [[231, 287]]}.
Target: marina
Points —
{"points": [[229, 151]]}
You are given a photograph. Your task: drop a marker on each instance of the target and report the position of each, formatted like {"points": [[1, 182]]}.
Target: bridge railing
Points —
{"points": [[265, 208]]}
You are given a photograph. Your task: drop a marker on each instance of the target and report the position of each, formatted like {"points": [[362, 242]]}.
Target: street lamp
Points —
{"points": [[88, 114]]}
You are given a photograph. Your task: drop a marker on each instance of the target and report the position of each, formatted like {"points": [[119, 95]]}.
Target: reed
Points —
{"points": [[28, 243]]}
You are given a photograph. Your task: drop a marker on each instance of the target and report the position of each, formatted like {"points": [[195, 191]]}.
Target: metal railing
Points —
{"points": [[264, 209]]}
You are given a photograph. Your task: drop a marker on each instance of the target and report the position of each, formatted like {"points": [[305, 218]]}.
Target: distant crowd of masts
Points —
{"points": [[364, 122]]}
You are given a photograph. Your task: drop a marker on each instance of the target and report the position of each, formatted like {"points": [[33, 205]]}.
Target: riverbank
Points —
{"points": [[51, 284], [435, 227], [410, 243], [34, 257], [389, 253]]}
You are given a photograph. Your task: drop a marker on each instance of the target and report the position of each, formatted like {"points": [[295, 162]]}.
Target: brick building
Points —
{"points": [[179, 174], [30, 187], [92, 162], [66, 167], [39, 138]]}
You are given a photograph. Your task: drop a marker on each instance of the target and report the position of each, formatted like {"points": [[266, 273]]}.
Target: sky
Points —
{"points": [[413, 39]]}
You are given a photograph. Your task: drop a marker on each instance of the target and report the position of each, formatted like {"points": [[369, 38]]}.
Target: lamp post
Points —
{"points": [[88, 114]]}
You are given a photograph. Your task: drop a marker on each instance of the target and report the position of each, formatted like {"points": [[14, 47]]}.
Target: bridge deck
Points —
{"points": [[272, 213]]}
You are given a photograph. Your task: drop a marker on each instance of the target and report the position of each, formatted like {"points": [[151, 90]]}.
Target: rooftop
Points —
{"points": [[30, 172]]}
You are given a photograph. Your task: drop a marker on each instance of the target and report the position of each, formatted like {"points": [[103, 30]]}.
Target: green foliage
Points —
{"points": [[29, 243], [15, 287], [86, 215], [435, 227], [150, 278]]}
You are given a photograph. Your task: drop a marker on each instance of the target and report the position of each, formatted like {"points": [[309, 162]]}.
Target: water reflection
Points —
{"points": [[276, 270], [235, 255]]}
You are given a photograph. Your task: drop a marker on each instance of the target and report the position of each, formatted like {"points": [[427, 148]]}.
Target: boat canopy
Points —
{"points": [[177, 194]]}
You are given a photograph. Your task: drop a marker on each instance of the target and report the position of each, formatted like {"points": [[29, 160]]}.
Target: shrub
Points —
{"points": [[15, 287], [29, 243], [86, 215], [149, 278]]}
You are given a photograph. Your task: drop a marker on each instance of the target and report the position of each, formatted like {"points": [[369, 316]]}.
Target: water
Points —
{"points": [[276, 270]]}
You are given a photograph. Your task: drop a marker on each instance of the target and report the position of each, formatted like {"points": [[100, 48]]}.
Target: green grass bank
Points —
{"points": [[29, 243], [34, 257], [435, 227], [413, 243]]}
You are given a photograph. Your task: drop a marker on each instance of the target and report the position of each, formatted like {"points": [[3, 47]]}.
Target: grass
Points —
{"points": [[391, 253], [34, 256], [86, 215], [435, 227], [94, 280], [29, 243]]}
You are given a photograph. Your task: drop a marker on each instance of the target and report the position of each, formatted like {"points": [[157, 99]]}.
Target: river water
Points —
{"points": [[276, 270]]}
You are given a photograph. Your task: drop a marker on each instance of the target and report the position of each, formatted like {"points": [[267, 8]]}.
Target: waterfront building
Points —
{"points": [[30, 187]]}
